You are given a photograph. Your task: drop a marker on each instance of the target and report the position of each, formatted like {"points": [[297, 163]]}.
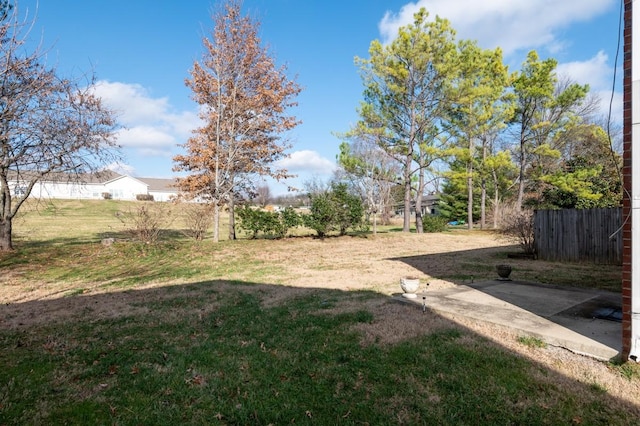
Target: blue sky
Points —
{"points": [[141, 51]]}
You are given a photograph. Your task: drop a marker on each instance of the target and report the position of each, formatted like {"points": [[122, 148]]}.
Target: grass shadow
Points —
{"points": [[220, 352], [467, 266]]}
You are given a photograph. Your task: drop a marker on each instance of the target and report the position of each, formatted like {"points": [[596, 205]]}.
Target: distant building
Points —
{"points": [[429, 205], [106, 184]]}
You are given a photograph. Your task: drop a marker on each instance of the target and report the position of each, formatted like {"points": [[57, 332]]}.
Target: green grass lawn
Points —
{"points": [[197, 333]]}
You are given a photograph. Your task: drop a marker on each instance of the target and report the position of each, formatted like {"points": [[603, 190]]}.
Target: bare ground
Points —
{"points": [[347, 264]]}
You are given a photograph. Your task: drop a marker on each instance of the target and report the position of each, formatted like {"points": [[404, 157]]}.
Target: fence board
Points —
{"points": [[584, 235]]}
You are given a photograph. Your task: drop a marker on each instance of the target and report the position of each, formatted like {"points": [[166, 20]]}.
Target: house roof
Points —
{"points": [[101, 177], [95, 178], [156, 184]]}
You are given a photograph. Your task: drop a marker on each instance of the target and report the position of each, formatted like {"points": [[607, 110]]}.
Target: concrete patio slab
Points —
{"points": [[583, 321]]}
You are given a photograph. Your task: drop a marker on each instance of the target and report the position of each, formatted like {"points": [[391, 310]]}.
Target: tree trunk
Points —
{"points": [[496, 200], [5, 235], [469, 196], [375, 223], [520, 199], [232, 219], [406, 226], [470, 186], [216, 222], [521, 173], [483, 203], [419, 223], [496, 211], [483, 187], [386, 205]]}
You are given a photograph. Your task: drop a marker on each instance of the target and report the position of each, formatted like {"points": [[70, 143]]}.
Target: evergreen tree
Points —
{"points": [[406, 97]]}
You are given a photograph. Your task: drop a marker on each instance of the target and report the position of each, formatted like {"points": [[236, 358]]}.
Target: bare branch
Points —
{"points": [[48, 124]]}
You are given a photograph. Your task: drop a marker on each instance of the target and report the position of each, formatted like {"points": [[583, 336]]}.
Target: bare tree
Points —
{"points": [[244, 98], [48, 124], [372, 172], [263, 195]]}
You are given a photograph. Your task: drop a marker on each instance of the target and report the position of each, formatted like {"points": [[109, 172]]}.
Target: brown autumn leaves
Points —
{"points": [[243, 98]]}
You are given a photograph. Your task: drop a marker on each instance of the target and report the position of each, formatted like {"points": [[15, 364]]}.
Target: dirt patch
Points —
{"points": [[377, 264], [395, 322]]}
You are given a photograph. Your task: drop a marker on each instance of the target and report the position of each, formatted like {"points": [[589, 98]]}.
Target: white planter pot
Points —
{"points": [[409, 287]]}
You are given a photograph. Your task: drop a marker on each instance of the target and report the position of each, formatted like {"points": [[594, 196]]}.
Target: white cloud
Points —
{"points": [[307, 165], [132, 102], [512, 25], [307, 161], [617, 110], [597, 73], [147, 139], [151, 126], [121, 168], [183, 123]]}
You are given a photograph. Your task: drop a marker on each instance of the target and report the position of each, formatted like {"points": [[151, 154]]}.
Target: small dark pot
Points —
{"points": [[503, 271]]}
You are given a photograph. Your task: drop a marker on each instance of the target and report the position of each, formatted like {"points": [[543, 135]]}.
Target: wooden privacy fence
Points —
{"points": [[584, 235]]}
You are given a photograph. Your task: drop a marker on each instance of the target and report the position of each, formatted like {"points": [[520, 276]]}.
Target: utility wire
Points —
{"points": [[613, 89]]}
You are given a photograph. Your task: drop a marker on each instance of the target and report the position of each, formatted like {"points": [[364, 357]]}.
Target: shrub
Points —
{"points": [[288, 218], [198, 219], [335, 210], [145, 222], [321, 215], [517, 226], [144, 197], [349, 211], [278, 224], [434, 223], [270, 222], [252, 221]]}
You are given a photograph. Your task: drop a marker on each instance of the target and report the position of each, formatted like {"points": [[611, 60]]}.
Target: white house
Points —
{"points": [[106, 184], [161, 189]]}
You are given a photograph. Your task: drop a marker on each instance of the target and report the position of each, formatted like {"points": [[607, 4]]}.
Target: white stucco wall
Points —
{"points": [[125, 188], [162, 195], [62, 190], [120, 188]]}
